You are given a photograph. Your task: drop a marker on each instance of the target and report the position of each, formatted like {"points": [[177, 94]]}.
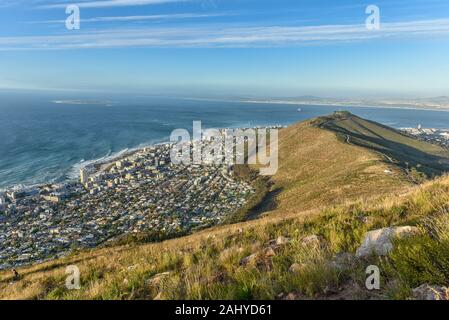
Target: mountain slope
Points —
{"points": [[398, 147], [318, 169]]}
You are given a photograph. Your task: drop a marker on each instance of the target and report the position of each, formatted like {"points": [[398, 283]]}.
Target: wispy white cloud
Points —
{"points": [[143, 17], [12, 3], [220, 36], [110, 3]]}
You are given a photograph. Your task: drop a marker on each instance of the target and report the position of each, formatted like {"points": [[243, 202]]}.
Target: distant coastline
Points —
{"points": [[404, 107], [83, 102], [420, 104]]}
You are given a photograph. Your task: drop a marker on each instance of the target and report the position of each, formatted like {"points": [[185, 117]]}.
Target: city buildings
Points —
{"points": [[142, 193], [432, 135], [84, 176], [2, 202]]}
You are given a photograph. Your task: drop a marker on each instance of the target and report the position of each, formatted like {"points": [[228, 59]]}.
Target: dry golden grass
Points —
{"points": [[317, 170]]}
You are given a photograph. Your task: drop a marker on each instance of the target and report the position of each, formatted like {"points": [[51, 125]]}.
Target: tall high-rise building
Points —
{"points": [[84, 176], [2, 202]]}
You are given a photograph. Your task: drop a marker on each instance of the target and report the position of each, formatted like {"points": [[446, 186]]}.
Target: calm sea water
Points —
{"points": [[41, 141]]}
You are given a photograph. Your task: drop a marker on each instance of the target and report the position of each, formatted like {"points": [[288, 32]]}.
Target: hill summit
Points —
{"points": [[396, 146]]}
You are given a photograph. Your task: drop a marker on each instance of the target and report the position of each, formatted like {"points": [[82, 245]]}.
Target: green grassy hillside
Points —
{"points": [[400, 148], [317, 169]]}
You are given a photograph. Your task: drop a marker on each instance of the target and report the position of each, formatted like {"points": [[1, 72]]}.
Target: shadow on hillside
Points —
{"points": [[269, 203], [406, 156]]}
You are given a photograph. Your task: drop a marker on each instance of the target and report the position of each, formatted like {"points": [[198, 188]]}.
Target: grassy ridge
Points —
{"points": [[316, 170], [400, 148]]}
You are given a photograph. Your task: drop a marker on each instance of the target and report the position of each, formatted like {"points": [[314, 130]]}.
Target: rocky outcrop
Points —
{"points": [[427, 292], [290, 296], [296, 267], [157, 279], [343, 261], [379, 241], [281, 240], [312, 241], [262, 259], [251, 259], [158, 296]]}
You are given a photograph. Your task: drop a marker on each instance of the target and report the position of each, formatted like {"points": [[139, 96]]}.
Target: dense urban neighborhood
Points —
{"points": [[432, 135], [141, 192]]}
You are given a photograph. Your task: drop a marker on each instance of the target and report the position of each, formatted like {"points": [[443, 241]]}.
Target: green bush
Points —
{"points": [[422, 258]]}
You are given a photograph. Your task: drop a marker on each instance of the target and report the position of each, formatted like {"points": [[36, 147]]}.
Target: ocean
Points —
{"points": [[46, 138]]}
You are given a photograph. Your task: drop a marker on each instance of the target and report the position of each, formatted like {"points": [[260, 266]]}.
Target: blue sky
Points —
{"points": [[227, 47]]}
